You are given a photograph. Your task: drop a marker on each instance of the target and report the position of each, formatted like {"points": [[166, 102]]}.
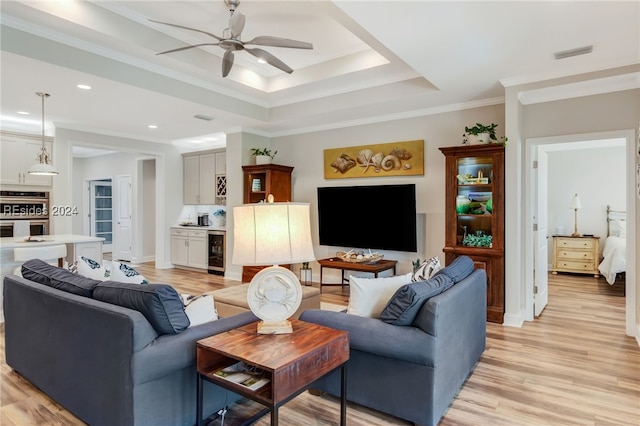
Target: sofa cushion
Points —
{"points": [[41, 272], [92, 269], [427, 269], [159, 303], [408, 299], [123, 273], [458, 270], [369, 296]]}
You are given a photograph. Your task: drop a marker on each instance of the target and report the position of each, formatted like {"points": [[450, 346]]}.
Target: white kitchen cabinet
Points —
{"points": [[189, 247], [200, 178], [19, 152]]}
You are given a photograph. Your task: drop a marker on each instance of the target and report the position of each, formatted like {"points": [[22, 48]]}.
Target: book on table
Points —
{"points": [[244, 375]]}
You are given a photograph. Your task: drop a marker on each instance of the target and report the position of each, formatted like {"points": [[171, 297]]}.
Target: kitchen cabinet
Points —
{"points": [[189, 247], [474, 214], [262, 180], [576, 254], [200, 176], [19, 152]]}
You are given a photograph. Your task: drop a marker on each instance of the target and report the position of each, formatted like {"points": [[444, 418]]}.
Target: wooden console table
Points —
{"points": [[337, 263], [291, 362]]}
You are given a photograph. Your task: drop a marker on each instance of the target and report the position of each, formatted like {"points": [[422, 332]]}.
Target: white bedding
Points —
{"points": [[614, 262]]}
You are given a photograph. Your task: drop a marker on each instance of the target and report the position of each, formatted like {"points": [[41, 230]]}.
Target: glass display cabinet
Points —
{"points": [[474, 214]]}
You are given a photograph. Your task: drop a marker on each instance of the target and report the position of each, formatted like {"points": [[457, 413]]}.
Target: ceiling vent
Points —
{"points": [[203, 117], [573, 52]]}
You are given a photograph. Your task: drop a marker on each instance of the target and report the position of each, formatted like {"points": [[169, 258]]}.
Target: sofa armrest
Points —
{"points": [[173, 352], [371, 335]]}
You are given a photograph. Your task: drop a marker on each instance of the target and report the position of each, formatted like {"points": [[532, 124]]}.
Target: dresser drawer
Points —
{"points": [[564, 254], [576, 243], [575, 266]]}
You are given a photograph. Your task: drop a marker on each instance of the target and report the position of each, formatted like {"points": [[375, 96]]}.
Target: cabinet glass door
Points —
{"points": [[474, 201], [101, 212]]}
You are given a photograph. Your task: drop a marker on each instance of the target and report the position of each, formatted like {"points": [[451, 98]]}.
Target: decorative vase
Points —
{"points": [[263, 159], [463, 203], [306, 276], [483, 137], [219, 221], [490, 205]]}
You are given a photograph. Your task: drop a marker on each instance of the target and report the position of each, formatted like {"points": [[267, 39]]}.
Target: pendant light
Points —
{"points": [[43, 167]]}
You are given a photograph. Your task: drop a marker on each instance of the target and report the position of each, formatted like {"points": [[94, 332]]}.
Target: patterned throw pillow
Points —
{"points": [[199, 309], [427, 269], [124, 273], [91, 269]]}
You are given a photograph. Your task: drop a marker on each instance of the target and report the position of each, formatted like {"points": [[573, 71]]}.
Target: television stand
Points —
{"points": [[373, 267]]}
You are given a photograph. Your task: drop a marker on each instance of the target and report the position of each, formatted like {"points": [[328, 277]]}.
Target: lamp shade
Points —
{"points": [[575, 203], [271, 234]]}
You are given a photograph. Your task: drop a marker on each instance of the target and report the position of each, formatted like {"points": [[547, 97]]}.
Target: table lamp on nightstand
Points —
{"points": [[575, 205], [272, 234]]}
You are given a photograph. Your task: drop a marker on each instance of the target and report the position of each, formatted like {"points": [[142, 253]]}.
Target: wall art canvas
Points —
{"points": [[386, 159]]}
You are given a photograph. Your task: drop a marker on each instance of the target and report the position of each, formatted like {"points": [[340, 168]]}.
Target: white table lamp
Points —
{"points": [[272, 234], [575, 205]]}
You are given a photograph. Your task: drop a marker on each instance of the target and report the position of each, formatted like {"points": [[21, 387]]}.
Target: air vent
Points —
{"points": [[573, 52], [203, 117]]}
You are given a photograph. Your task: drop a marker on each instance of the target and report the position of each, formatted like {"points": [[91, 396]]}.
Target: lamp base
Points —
{"points": [[278, 327], [576, 234]]}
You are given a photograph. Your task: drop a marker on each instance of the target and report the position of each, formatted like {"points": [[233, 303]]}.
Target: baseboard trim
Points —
{"points": [[513, 320]]}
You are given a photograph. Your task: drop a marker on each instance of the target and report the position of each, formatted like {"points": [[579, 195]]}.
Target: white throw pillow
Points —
{"points": [[123, 273], [618, 228], [369, 296], [427, 269], [199, 309], [91, 269]]}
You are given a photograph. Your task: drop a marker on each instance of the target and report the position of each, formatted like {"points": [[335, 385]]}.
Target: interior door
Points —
{"points": [[102, 212], [540, 235], [123, 231]]}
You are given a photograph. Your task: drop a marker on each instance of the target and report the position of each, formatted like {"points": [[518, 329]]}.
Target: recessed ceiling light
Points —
{"points": [[83, 86], [152, 126], [23, 112]]}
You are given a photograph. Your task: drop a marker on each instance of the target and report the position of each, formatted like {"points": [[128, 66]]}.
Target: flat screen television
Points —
{"points": [[368, 217]]}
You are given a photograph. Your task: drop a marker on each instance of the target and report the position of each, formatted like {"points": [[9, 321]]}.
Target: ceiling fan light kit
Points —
{"points": [[231, 42]]}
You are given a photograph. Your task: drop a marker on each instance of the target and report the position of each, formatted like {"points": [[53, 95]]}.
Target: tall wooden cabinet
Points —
{"points": [[259, 182], [474, 214], [262, 180]]}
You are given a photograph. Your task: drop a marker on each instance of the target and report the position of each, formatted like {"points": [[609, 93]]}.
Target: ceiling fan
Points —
{"points": [[230, 42]]}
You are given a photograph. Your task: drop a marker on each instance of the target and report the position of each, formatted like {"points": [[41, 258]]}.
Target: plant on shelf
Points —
{"points": [[306, 274], [480, 129], [220, 213], [264, 151]]}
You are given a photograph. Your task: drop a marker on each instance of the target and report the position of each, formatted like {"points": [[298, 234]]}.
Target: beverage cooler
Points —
{"points": [[216, 249]]}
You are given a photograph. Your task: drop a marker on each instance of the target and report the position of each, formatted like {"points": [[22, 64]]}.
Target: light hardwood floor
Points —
{"points": [[571, 366]]}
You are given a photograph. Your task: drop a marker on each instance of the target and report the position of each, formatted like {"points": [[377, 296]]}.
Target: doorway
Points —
{"points": [[535, 146], [101, 212]]}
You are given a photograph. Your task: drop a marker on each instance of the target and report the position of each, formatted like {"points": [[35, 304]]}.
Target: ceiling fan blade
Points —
{"points": [[227, 63], [270, 59], [187, 47], [236, 24], [187, 28], [279, 42]]}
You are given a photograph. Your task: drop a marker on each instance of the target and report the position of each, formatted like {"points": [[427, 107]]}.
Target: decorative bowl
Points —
{"points": [[359, 258]]}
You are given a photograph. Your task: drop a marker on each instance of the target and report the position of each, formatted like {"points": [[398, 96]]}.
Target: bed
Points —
{"points": [[614, 252]]}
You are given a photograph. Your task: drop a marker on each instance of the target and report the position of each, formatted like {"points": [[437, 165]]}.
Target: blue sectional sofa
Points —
{"points": [[105, 363], [414, 371]]}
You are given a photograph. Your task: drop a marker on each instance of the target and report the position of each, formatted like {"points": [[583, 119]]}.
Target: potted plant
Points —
{"points": [[263, 155], [482, 132], [220, 217], [306, 274]]}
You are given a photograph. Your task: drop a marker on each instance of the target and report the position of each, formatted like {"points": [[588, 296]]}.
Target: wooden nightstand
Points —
{"points": [[575, 254]]}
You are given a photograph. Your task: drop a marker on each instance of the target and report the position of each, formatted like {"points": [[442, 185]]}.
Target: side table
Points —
{"points": [[579, 255], [291, 363], [337, 263]]}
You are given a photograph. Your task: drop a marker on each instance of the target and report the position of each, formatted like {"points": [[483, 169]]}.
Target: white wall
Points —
{"points": [[598, 176], [149, 210], [305, 153]]}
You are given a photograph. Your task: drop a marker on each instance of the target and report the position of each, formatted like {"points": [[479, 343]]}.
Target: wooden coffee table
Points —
{"points": [[291, 363], [336, 263]]}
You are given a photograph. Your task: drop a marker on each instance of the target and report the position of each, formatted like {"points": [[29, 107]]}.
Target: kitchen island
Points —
{"points": [[77, 245]]}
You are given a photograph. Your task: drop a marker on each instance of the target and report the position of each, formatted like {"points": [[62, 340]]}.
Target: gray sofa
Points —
{"points": [[413, 371], [106, 363]]}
